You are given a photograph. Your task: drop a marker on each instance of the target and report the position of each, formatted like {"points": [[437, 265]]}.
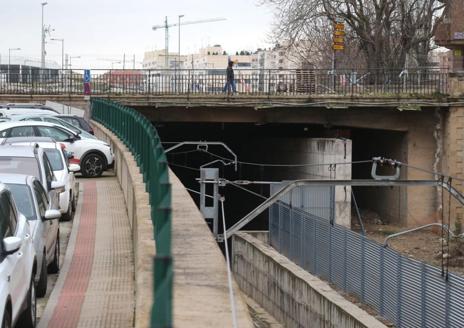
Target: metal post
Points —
{"points": [[166, 36], [42, 61]]}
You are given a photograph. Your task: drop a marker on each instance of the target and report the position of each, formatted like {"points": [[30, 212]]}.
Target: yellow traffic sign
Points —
{"points": [[338, 47]]}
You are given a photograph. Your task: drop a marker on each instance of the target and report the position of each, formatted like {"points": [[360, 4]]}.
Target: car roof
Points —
{"points": [[17, 151], [27, 106], [8, 178], [12, 124], [46, 143]]}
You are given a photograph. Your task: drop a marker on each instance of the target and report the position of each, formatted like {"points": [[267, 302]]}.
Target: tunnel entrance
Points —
{"points": [[272, 144]]}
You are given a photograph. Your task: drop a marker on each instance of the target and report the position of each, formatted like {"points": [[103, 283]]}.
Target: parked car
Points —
{"points": [[18, 266], [51, 119], [78, 122], [95, 155], [31, 161], [32, 201], [29, 109], [62, 169]]}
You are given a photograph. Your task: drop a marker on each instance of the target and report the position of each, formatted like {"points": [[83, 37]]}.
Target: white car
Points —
{"points": [[32, 202], [17, 266], [31, 161], [7, 111], [95, 156], [63, 171], [51, 119]]}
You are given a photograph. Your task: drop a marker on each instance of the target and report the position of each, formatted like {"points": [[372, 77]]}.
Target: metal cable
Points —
{"points": [[184, 167], [286, 165], [229, 273]]}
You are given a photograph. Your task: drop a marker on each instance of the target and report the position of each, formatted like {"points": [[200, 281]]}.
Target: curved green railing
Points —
{"points": [[141, 137]]}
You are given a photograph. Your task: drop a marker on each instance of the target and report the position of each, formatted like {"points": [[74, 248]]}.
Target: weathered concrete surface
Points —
{"points": [[201, 295], [293, 296], [138, 210]]}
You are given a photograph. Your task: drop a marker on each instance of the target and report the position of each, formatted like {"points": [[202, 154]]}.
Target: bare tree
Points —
{"points": [[382, 33]]}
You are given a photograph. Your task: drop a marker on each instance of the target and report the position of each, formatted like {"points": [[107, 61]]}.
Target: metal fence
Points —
{"points": [[406, 292], [251, 82], [139, 135]]}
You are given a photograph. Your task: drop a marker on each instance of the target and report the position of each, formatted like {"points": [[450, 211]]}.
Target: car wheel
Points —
{"points": [[68, 216], [74, 203], [6, 322], [92, 165], [42, 284], [55, 265], [29, 316]]}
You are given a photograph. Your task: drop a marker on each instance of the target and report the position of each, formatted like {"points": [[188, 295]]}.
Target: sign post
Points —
{"points": [[87, 80], [338, 44]]}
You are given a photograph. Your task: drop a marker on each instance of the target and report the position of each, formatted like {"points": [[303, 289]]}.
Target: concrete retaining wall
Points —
{"points": [[293, 296], [201, 294]]}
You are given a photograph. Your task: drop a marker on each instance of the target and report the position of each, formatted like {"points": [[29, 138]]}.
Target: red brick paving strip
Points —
{"points": [[68, 310]]}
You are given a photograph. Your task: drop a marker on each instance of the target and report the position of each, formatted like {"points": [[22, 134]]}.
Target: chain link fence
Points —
{"points": [[404, 291]]}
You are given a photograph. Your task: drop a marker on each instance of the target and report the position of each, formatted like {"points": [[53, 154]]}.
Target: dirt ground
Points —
{"points": [[425, 245]]}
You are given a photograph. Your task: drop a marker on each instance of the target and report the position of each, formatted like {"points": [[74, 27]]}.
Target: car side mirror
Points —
{"points": [[57, 186], [11, 245], [71, 138], [51, 215], [74, 167]]}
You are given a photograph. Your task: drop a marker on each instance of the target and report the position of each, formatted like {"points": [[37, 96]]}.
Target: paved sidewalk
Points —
{"points": [[95, 287]]}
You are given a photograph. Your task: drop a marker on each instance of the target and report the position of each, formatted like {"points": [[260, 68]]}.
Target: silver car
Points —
{"points": [[32, 201]]}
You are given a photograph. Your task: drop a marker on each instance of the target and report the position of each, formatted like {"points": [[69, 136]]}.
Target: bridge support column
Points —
{"points": [[453, 159], [453, 147]]}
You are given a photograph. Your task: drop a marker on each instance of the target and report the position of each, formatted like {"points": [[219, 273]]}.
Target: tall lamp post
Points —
{"points": [[70, 60], [177, 65], [42, 57], [9, 60], [62, 57], [62, 50]]}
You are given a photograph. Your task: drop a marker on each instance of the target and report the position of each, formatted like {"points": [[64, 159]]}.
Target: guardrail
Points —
{"points": [[139, 135], [250, 82]]}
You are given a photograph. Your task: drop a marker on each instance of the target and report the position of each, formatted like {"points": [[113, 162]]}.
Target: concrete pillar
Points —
{"points": [[311, 151], [453, 159]]}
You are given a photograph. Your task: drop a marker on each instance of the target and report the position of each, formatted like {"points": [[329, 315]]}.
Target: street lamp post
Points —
{"points": [[177, 66], [42, 62], [62, 50], [62, 58], [70, 60], [30, 69], [70, 70], [9, 60]]}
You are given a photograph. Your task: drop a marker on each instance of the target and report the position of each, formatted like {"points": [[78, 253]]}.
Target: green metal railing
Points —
{"points": [[140, 136]]}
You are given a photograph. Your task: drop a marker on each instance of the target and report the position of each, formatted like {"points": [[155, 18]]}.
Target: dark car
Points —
{"points": [[77, 121]]}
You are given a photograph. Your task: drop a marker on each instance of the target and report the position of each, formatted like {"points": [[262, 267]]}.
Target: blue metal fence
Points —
{"points": [[407, 292]]}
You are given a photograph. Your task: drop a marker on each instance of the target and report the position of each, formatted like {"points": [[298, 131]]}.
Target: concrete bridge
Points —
{"points": [[422, 128]]}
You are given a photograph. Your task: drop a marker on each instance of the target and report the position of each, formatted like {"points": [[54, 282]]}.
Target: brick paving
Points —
{"points": [[98, 284]]}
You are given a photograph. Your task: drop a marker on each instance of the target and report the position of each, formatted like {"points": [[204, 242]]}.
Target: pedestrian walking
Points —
{"points": [[230, 82]]}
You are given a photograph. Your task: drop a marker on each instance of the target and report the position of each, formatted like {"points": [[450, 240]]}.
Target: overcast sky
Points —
{"points": [[106, 29]]}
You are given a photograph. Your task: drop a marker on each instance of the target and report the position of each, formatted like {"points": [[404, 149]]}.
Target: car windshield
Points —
{"points": [[63, 123], [23, 199], [55, 159], [20, 165]]}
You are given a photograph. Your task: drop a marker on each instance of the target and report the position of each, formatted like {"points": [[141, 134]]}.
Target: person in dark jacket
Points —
{"points": [[230, 83]]}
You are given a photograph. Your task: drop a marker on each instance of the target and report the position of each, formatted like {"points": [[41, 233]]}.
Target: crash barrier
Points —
{"points": [[141, 138], [407, 292]]}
